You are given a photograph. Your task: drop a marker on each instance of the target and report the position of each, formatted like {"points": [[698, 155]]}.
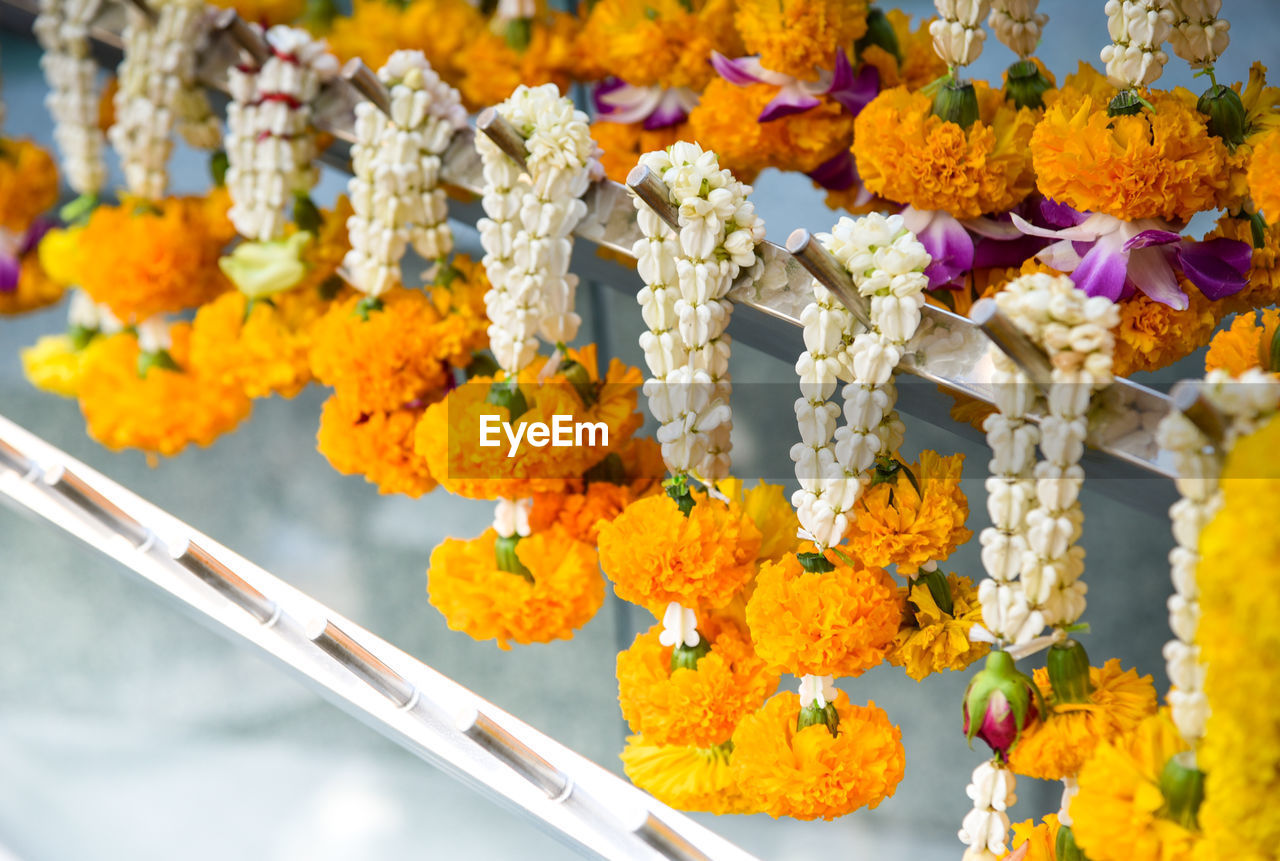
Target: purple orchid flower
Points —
{"points": [[14, 246], [656, 107], [795, 96], [1109, 257], [958, 247]]}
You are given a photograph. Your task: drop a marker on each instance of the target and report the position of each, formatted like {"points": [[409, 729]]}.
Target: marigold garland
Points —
{"points": [[654, 554], [1117, 810], [930, 640], [907, 154], [624, 143], [485, 602], [1151, 335], [811, 774], [896, 524], [697, 707], [28, 184], [160, 413], [663, 43], [840, 622], [798, 37], [770, 510], [1245, 344], [687, 778], [602, 499], [1154, 164], [493, 68], [376, 445], [1057, 745], [1264, 176]]}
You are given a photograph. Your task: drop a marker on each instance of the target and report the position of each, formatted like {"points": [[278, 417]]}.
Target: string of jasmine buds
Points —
{"points": [[62, 28], [394, 188], [270, 142], [1199, 36], [957, 33], [684, 302], [86, 317], [1018, 25], [986, 827], [1138, 28], [158, 91], [887, 265]]}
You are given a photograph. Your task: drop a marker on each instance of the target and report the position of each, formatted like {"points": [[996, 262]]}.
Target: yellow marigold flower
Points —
{"points": [[35, 288], [697, 707], [441, 29], [624, 143], [1154, 164], [811, 774], [725, 121], [373, 31], [839, 622], [53, 365], [930, 640], [1262, 287], [493, 68], [28, 183], [687, 778], [768, 507], [141, 261], [265, 12], [61, 256], [377, 445], [1039, 838], [485, 602], [896, 524], [920, 64], [1151, 335], [160, 413], [1246, 344], [1058, 745], [1117, 811], [602, 500], [386, 361], [1264, 176], [799, 37], [655, 555], [908, 155], [1239, 566], [666, 43]]}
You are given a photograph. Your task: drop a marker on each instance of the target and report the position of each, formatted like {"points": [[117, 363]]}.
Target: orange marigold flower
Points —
{"points": [[265, 12], [1151, 335], [373, 31], [493, 68], [603, 499], [667, 43], [28, 183], [966, 409], [895, 523], [485, 602], [811, 774], [140, 261], [624, 143], [687, 778], [908, 155], [1154, 164], [1117, 811], [53, 364], [377, 445], [799, 37], [387, 359], [35, 288], [1058, 745], [160, 413], [770, 510], [1264, 176], [725, 121], [655, 555], [1040, 839], [839, 622], [1246, 344], [930, 640], [1262, 116], [1262, 287], [698, 707]]}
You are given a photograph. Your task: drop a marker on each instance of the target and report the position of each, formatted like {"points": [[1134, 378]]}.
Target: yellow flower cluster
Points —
{"points": [[28, 184], [1246, 344], [666, 43], [799, 37], [930, 640]]}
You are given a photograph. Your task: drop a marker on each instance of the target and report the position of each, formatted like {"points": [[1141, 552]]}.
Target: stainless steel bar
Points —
{"points": [[667, 840], [366, 82], [201, 563], [83, 496], [654, 193], [826, 269], [15, 460], [243, 34], [1012, 341], [496, 127], [362, 662], [481, 729], [1188, 399]]}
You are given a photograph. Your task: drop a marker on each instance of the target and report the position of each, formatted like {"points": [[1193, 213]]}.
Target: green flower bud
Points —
{"points": [[999, 704], [939, 589], [305, 213], [366, 306], [78, 210], [957, 103], [813, 715], [687, 657], [815, 563], [677, 488], [155, 359], [1065, 848], [81, 336], [1226, 114], [1126, 103], [576, 374], [1182, 785], [507, 394], [218, 164], [1025, 85], [1068, 666], [504, 549], [260, 269], [879, 33], [519, 33]]}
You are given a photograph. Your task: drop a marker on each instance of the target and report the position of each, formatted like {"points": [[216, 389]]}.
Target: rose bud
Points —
{"points": [[999, 704]]}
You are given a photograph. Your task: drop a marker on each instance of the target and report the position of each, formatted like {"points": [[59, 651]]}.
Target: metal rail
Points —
{"points": [[425, 712], [949, 351]]}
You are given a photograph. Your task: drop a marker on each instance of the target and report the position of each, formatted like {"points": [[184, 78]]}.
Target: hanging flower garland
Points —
{"points": [[62, 29]]}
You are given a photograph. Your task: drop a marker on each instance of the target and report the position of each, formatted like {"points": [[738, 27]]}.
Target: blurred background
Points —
{"points": [[127, 731]]}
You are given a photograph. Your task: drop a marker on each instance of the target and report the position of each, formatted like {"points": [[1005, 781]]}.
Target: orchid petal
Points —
{"points": [[628, 104], [951, 248], [1150, 272], [1102, 271], [853, 92], [1148, 238], [36, 232], [992, 229], [1061, 255], [791, 99], [988, 252], [1218, 267], [671, 110], [1081, 231], [837, 173], [10, 269], [1060, 214], [740, 72]]}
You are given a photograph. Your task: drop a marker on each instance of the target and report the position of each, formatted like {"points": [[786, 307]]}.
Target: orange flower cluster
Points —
{"points": [[1058, 745], [35, 288], [840, 622], [770, 510], [654, 554], [493, 67], [624, 143], [897, 524], [696, 707], [160, 413], [930, 640], [1264, 176], [685, 777], [377, 445], [666, 43], [265, 12], [1151, 335], [907, 154], [603, 499], [1040, 840], [1245, 344], [28, 184], [1154, 164], [376, 29], [485, 602], [811, 774], [799, 37], [140, 261]]}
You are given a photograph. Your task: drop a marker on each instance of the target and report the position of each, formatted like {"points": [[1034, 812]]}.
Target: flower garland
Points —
{"points": [[394, 186], [270, 142], [1138, 28], [62, 29]]}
